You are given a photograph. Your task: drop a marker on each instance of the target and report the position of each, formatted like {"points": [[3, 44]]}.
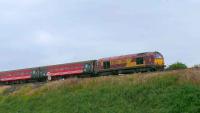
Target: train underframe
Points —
{"points": [[131, 70], [95, 74]]}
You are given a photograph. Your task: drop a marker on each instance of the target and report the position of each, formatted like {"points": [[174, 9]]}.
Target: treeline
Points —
{"points": [[180, 65]]}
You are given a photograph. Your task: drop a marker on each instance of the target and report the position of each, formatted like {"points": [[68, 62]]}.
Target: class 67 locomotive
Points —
{"points": [[125, 64]]}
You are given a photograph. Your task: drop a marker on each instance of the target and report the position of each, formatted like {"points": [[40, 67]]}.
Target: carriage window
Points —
{"points": [[106, 65], [140, 61]]}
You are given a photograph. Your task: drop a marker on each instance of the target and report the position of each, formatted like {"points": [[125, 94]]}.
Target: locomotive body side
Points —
{"points": [[130, 63]]}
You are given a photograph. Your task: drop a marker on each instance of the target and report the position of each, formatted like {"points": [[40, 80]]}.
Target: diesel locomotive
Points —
{"points": [[133, 63]]}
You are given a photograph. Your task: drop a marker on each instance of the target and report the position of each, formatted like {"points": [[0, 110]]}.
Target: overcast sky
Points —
{"points": [[42, 32]]}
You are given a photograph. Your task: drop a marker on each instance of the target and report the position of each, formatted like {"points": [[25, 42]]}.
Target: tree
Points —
{"points": [[176, 66]]}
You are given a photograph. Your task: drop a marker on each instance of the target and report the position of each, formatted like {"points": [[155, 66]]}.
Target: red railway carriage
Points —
{"points": [[64, 70], [149, 61], [15, 75], [53, 71], [71, 69]]}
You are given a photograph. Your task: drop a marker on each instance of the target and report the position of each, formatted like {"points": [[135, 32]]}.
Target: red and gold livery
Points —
{"points": [[142, 62], [149, 61]]}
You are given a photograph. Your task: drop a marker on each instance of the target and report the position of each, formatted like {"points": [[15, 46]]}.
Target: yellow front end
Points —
{"points": [[159, 62]]}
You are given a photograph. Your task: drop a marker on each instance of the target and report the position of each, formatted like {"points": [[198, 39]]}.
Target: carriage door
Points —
{"points": [[88, 68], [39, 73]]}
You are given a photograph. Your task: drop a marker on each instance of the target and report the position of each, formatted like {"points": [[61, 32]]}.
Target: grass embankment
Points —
{"points": [[167, 92]]}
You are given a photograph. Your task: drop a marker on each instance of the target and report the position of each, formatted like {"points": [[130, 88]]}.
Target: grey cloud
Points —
{"points": [[42, 32]]}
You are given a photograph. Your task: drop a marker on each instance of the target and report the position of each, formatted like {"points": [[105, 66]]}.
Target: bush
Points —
{"points": [[196, 66], [176, 66]]}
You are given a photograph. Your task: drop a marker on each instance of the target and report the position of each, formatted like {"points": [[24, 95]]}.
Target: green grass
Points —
{"points": [[169, 92]]}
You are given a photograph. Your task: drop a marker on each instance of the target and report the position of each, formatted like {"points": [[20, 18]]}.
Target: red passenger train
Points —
{"points": [[133, 63]]}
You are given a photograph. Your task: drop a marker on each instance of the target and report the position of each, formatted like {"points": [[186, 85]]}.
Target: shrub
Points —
{"points": [[196, 66], [177, 66]]}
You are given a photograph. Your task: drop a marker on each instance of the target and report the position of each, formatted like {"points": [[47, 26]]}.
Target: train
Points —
{"points": [[125, 64]]}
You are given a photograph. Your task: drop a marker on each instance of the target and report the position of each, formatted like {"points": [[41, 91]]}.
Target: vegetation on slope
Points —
{"points": [[167, 92], [177, 66]]}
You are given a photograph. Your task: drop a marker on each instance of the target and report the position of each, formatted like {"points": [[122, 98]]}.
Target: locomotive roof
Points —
{"points": [[127, 56]]}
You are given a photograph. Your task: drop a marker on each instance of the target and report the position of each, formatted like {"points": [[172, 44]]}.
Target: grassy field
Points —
{"points": [[166, 92]]}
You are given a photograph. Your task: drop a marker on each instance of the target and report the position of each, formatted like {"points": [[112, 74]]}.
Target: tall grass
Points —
{"points": [[167, 92]]}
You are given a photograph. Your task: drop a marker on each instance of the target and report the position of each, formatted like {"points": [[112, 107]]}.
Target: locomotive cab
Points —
{"points": [[159, 60]]}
